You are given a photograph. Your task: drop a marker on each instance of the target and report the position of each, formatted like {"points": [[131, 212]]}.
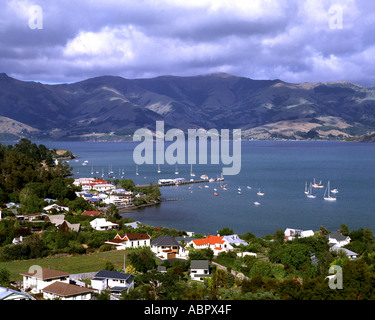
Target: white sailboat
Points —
{"points": [[310, 194], [159, 168], [136, 171], [92, 169], [306, 190], [259, 193], [327, 195], [176, 171], [192, 174], [317, 185]]}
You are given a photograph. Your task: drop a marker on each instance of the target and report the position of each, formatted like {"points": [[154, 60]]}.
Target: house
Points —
{"points": [[80, 181], [32, 216], [56, 207], [244, 254], [124, 241], [91, 213], [166, 247], [49, 200], [199, 269], [17, 240], [291, 234], [350, 254], [102, 224], [115, 199], [66, 291], [234, 239], [104, 187], [184, 240], [134, 225], [10, 294], [114, 281], [338, 239], [60, 223], [38, 278], [216, 243]]}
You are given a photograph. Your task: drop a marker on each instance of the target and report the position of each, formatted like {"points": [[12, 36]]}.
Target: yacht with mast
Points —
{"points": [[327, 195]]}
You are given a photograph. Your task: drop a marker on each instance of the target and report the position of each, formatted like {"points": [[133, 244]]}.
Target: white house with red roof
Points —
{"points": [[124, 241], [216, 243]]}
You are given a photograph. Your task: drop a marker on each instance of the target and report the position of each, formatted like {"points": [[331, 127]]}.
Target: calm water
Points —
{"points": [[279, 169]]}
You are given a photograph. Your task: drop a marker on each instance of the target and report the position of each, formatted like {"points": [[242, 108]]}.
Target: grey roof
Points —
{"points": [[346, 251], [165, 241], [105, 274], [184, 238], [199, 264], [337, 235]]}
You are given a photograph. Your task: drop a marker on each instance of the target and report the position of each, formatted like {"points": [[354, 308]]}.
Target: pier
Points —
{"points": [[179, 183]]}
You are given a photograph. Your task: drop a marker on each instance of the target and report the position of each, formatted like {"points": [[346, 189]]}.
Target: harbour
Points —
{"points": [[279, 169]]}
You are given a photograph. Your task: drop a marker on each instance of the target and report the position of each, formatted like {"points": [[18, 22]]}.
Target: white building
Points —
{"points": [[104, 187], [338, 239], [291, 234], [10, 294], [38, 278], [124, 241], [350, 254], [66, 291], [216, 243], [235, 239], [167, 247], [114, 281], [56, 207], [116, 200], [199, 269], [102, 224]]}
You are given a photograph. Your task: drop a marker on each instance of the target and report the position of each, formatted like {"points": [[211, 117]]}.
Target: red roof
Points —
{"points": [[100, 181], [212, 240], [91, 213]]}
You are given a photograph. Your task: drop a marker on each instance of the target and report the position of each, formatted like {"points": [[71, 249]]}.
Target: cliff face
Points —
{"points": [[113, 107]]}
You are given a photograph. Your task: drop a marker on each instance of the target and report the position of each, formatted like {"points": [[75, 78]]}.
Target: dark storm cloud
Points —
{"points": [[290, 40]]}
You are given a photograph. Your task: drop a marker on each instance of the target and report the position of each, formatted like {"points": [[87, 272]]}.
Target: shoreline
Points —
{"points": [[135, 208]]}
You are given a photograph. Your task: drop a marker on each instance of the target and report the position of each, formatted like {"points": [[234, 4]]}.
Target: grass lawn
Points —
{"points": [[72, 264]]}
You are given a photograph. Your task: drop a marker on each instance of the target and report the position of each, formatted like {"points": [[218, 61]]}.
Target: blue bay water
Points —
{"points": [[280, 169]]}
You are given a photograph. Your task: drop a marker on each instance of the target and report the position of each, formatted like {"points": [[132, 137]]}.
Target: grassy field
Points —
{"points": [[72, 264]]}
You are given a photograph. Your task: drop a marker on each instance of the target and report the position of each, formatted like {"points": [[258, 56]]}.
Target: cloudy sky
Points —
{"points": [[54, 41]]}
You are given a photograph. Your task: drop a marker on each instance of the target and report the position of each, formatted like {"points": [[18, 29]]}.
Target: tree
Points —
{"points": [[296, 255], [344, 229], [279, 236], [225, 231], [113, 212], [130, 269], [4, 277], [261, 268], [142, 260]]}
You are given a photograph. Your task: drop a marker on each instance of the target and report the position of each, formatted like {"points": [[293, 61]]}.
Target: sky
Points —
{"points": [[60, 41]]}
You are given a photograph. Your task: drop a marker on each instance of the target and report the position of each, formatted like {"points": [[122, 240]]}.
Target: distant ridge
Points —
{"points": [[112, 107]]}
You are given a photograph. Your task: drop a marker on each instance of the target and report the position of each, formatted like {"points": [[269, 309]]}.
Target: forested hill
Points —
{"points": [[28, 175]]}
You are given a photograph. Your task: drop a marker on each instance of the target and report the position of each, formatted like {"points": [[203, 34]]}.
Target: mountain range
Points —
{"points": [[112, 107]]}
